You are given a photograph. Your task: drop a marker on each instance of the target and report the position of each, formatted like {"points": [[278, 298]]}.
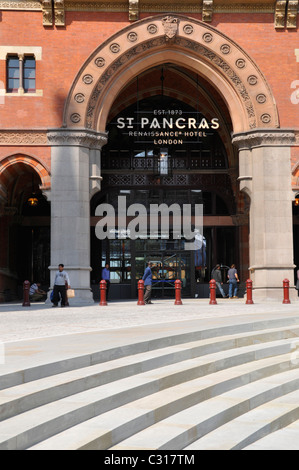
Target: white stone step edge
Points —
{"points": [[107, 429], [24, 397], [252, 426], [181, 429], [28, 428], [71, 363], [285, 438]]}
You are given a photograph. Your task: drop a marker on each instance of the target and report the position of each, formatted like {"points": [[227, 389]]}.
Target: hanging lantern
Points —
{"points": [[32, 201]]}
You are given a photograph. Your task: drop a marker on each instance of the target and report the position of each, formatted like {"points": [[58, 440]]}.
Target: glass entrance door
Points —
{"points": [[168, 266]]}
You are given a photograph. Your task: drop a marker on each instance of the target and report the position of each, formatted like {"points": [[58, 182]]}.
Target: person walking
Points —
{"points": [[106, 277], [147, 278], [61, 284], [216, 275], [297, 283], [233, 280]]}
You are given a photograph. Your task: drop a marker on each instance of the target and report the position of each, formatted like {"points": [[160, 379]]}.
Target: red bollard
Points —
{"points": [[286, 288], [26, 287], [140, 292], [249, 291], [103, 288], [213, 292], [178, 288]]}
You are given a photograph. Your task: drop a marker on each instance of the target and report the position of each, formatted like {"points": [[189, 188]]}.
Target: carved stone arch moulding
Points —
{"points": [[185, 41]]}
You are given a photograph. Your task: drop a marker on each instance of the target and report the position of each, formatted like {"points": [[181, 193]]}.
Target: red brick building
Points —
{"points": [[78, 81]]}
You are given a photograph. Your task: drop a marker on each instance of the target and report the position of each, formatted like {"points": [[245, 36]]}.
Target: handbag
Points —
{"points": [[70, 293]]}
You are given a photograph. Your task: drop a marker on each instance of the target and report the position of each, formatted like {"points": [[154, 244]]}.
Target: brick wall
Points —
{"points": [[64, 50]]}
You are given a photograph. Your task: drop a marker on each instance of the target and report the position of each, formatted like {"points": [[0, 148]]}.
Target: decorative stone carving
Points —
{"points": [[59, 12], [207, 10], [132, 36], [21, 137], [152, 28], [252, 80], [225, 49], [261, 98], [239, 70], [270, 138], [100, 62], [280, 13], [171, 27], [240, 63], [65, 137], [75, 117], [87, 79], [207, 37], [292, 12], [133, 10], [266, 118], [20, 5], [115, 48], [47, 12], [188, 29], [79, 97]]}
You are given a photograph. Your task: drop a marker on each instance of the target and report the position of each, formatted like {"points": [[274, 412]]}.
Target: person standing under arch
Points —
{"points": [[233, 280]]}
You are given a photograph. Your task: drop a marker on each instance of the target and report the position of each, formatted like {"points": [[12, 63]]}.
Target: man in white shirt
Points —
{"points": [[61, 283]]}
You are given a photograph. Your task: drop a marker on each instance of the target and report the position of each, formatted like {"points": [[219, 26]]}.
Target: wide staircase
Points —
{"points": [[207, 389]]}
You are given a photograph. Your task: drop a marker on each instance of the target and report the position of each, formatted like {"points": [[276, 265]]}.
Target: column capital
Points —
{"points": [[78, 138], [264, 138]]}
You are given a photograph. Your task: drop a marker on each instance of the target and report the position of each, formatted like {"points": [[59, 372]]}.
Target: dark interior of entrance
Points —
{"points": [[151, 158]]}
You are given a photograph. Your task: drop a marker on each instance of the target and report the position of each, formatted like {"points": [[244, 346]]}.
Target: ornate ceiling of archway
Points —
{"points": [[181, 41]]}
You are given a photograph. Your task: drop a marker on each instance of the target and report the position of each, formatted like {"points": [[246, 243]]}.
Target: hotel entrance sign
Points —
{"points": [[167, 126]]}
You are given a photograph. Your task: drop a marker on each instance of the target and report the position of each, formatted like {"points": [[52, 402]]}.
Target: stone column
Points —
{"points": [[265, 175], [21, 74], [70, 206]]}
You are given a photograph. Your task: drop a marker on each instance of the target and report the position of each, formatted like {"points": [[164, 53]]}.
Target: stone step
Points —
{"points": [[252, 426], [22, 398], [26, 429], [282, 439], [181, 429], [111, 427], [176, 371], [70, 362]]}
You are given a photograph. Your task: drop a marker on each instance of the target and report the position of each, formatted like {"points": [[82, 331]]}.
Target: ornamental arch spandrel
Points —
{"points": [[184, 42]]}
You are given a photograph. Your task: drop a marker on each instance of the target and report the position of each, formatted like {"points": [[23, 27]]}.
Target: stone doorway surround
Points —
{"points": [[264, 148]]}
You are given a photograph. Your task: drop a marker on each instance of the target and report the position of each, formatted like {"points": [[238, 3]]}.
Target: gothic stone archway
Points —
{"points": [[264, 149], [180, 40]]}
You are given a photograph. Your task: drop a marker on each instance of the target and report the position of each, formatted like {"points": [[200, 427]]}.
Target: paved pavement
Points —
{"points": [[41, 320], [39, 334]]}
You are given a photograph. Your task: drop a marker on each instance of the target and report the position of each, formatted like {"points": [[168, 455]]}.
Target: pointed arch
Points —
{"points": [[192, 44], [13, 164]]}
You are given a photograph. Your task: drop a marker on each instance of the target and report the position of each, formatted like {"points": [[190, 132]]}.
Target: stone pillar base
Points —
{"points": [[273, 295], [80, 282], [82, 297]]}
